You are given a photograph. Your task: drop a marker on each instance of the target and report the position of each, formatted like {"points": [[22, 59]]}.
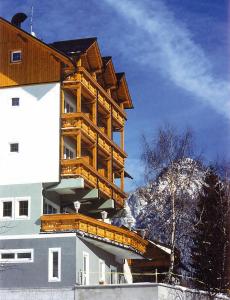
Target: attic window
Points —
{"points": [[16, 56]]}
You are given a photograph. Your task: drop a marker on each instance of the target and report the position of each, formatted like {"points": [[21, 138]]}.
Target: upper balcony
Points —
{"points": [[96, 229], [92, 89], [73, 122]]}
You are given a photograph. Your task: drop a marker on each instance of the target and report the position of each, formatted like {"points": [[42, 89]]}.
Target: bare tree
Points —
{"points": [[175, 179]]}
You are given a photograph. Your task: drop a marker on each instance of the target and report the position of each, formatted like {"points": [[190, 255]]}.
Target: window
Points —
{"points": [[68, 154], [16, 56], [15, 101], [14, 147], [113, 275], [85, 272], [22, 208], [101, 270], [15, 208], [54, 267], [50, 208], [16, 255], [6, 208], [68, 108]]}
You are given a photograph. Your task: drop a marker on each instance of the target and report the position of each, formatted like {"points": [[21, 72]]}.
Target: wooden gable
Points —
{"points": [[39, 64]]}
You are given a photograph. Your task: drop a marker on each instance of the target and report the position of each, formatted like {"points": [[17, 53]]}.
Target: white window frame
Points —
{"points": [[2, 200], [101, 273], [85, 273], [17, 200], [16, 259], [50, 265], [12, 55]]}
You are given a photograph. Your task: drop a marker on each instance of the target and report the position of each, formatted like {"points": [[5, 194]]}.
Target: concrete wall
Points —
{"points": [[35, 125], [23, 226], [113, 292], [95, 254], [35, 274]]}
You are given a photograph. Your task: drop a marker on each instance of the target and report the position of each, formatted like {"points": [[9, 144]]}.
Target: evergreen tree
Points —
{"points": [[211, 239]]}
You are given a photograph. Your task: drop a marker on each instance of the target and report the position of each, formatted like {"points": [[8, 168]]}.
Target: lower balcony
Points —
{"points": [[94, 228], [80, 168]]}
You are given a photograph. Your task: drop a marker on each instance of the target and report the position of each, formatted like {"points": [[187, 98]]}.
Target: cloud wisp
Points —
{"points": [[168, 46]]}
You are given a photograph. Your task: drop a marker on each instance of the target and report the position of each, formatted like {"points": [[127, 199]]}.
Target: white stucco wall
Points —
{"points": [[35, 125]]}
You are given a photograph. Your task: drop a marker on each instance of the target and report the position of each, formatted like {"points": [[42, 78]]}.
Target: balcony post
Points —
{"points": [[78, 146], [62, 101], [94, 109], [109, 168], [109, 124], [62, 146], [95, 156], [122, 179], [122, 139], [78, 100]]}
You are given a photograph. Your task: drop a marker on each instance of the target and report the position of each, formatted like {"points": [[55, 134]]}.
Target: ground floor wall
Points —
{"points": [[112, 292], [77, 262]]}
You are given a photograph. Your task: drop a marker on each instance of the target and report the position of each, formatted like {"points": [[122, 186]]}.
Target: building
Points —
{"points": [[62, 118]]}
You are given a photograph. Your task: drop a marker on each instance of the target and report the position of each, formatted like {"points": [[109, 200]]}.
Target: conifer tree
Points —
{"points": [[210, 242]]}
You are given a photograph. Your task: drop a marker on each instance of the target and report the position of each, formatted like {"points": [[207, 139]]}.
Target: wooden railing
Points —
{"points": [[91, 226], [94, 88], [79, 167], [74, 121]]}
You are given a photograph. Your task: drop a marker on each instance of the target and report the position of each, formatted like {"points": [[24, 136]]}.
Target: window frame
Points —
{"points": [[16, 259], [17, 208], [54, 206], [101, 273], [12, 101], [12, 52], [85, 275], [50, 265], [4, 218], [11, 145]]}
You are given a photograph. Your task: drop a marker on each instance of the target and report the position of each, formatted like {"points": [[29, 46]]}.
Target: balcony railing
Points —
{"points": [[91, 226], [80, 167], [95, 90], [76, 121]]}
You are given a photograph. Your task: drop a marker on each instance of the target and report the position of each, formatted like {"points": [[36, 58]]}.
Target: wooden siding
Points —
{"points": [[38, 65]]}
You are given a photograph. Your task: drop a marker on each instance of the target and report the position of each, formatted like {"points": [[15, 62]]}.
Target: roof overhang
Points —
{"points": [[119, 250]]}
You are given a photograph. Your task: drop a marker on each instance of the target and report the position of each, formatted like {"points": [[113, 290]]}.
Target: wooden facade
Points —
{"points": [[39, 64]]}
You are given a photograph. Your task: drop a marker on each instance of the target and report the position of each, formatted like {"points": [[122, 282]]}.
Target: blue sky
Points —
{"points": [[175, 54]]}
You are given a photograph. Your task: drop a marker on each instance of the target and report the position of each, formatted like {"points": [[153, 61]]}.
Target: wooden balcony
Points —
{"points": [[79, 121], [94, 90], [90, 226], [80, 168]]}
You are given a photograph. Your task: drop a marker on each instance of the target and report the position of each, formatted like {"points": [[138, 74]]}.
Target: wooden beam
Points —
{"points": [[62, 101], [78, 145], [78, 99], [122, 180], [122, 139]]}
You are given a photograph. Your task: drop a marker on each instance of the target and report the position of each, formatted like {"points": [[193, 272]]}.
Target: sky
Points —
{"points": [[175, 56]]}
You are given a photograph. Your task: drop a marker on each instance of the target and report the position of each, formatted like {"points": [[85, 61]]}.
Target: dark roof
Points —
{"points": [[71, 47], [120, 75], [106, 59]]}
